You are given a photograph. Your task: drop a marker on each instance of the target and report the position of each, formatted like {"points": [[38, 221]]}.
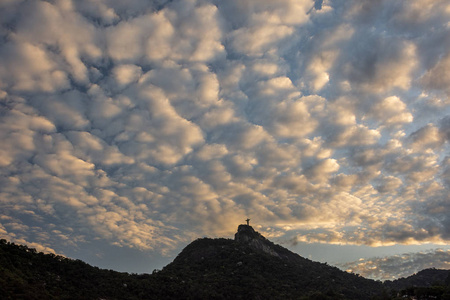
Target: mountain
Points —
{"points": [[252, 267], [248, 267], [424, 278], [426, 284], [27, 274]]}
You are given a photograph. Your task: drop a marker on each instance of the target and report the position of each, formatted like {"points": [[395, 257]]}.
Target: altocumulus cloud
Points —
{"points": [[146, 124], [384, 268]]}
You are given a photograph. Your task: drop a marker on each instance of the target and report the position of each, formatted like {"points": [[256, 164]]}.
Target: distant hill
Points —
{"points": [[424, 278], [248, 267], [434, 283]]}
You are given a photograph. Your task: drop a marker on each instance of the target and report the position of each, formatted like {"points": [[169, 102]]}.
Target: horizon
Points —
{"points": [[131, 128], [350, 266]]}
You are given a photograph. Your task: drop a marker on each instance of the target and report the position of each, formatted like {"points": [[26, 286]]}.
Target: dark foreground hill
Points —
{"points": [[251, 267], [248, 267]]}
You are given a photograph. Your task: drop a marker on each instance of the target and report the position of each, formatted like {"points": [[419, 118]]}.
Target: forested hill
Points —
{"points": [[249, 267], [28, 274], [434, 281]]}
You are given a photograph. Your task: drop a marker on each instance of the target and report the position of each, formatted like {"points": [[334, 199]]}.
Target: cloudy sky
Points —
{"points": [[131, 128]]}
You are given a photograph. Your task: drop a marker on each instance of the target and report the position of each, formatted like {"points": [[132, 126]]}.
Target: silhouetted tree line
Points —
{"points": [[426, 284]]}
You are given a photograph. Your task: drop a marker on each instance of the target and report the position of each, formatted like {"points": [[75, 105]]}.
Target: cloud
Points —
{"points": [[322, 169], [58, 28], [28, 68], [389, 184], [427, 137], [397, 266], [437, 77], [391, 111], [126, 74], [445, 128], [179, 32], [375, 70]]}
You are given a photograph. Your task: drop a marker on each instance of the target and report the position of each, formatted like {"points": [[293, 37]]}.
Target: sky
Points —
{"points": [[131, 128]]}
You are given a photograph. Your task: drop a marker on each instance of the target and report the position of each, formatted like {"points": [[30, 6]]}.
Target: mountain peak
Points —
{"points": [[247, 235]]}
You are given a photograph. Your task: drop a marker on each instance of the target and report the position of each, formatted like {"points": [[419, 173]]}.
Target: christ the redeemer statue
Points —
{"points": [[248, 222]]}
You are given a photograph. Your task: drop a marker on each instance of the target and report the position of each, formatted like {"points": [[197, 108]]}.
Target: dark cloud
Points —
{"points": [[444, 128]]}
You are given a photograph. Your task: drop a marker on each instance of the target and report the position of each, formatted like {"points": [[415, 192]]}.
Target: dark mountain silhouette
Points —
{"points": [[252, 267], [426, 284], [424, 278], [248, 267]]}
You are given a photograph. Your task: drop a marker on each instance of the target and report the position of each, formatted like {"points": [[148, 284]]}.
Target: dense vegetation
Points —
{"points": [[426, 284], [235, 270], [27, 274], [205, 269]]}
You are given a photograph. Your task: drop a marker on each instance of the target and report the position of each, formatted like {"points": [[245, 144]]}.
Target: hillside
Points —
{"points": [[251, 267], [27, 274], [248, 267], [424, 278], [426, 284]]}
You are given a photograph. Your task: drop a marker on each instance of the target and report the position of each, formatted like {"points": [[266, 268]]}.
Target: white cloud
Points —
{"points": [[358, 135], [214, 151], [98, 10], [157, 122], [422, 12], [323, 169], [59, 28], [391, 111], [27, 67], [181, 31], [427, 137], [257, 40], [267, 23], [126, 74], [285, 11], [394, 267]]}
